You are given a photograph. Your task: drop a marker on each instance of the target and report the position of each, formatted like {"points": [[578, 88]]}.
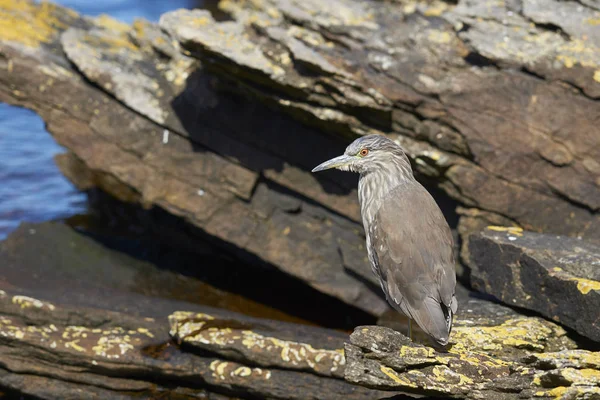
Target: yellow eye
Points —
{"points": [[364, 152]]}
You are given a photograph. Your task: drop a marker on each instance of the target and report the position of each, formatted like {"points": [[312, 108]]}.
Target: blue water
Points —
{"points": [[32, 188]]}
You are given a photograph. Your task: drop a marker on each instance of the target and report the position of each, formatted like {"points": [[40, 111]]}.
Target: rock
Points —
{"points": [[494, 353], [261, 344], [497, 330], [220, 190], [45, 344], [160, 132], [378, 357], [497, 113], [147, 264], [86, 328], [557, 276], [445, 98]]}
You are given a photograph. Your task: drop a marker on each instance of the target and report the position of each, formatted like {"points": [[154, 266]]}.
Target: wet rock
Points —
{"points": [[557, 276]]}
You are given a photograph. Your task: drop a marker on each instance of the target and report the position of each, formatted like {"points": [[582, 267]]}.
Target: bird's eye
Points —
{"points": [[364, 152]]}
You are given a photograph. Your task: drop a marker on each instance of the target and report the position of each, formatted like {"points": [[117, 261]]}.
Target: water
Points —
{"points": [[32, 188], [127, 10]]}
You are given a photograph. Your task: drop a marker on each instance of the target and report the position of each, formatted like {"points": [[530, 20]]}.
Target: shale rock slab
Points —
{"points": [[557, 276]]}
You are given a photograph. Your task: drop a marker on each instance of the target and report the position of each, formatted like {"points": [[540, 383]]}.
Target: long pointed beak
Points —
{"points": [[334, 163]]}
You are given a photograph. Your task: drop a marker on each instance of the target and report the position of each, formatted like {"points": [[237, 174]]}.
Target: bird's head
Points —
{"points": [[368, 154]]}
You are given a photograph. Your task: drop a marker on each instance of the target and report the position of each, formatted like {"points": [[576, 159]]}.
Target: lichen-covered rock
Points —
{"points": [[556, 276], [441, 96], [336, 66], [75, 324], [260, 345], [111, 358], [494, 329], [379, 357]]}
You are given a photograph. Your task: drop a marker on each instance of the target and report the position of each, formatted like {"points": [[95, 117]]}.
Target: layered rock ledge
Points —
{"points": [[220, 122], [556, 276]]}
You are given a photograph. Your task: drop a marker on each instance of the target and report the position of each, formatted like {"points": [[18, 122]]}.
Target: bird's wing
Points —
{"points": [[413, 248]]}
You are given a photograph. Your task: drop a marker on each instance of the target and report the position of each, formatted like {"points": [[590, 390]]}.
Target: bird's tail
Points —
{"points": [[436, 318]]}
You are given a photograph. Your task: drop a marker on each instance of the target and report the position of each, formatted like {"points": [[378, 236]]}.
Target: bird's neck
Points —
{"points": [[374, 185]]}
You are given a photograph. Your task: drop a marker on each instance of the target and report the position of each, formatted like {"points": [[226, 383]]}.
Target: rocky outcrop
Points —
{"points": [[217, 125], [77, 316], [557, 276], [224, 195], [51, 355], [78, 320], [220, 122]]}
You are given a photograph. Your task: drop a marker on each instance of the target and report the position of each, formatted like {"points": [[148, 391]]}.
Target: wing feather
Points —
{"points": [[412, 249]]}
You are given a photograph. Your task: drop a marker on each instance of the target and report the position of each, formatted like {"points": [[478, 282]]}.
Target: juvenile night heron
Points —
{"points": [[409, 242]]}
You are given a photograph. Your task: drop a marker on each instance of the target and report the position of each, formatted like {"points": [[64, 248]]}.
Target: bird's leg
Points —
{"points": [[410, 328]]}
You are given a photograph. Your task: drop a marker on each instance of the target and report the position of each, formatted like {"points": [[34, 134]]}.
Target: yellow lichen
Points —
{"points": [[572, 357], [242, 371], [445, 374], [191, 327], [514, 230], [597, 75], [416, 352], [73, 344], [440, 37], [593, 21], [580, 52], [26, 302], [586, 285], [139, 27], [111, 24], [585, 376], [520, 333], [202, 21], [396, 378], [557, 392], [437, 8], [113, 42], [28, 23], [146, 332]]}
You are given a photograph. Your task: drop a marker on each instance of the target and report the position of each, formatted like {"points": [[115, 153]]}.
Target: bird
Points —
{"points": [[409, 243]]}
